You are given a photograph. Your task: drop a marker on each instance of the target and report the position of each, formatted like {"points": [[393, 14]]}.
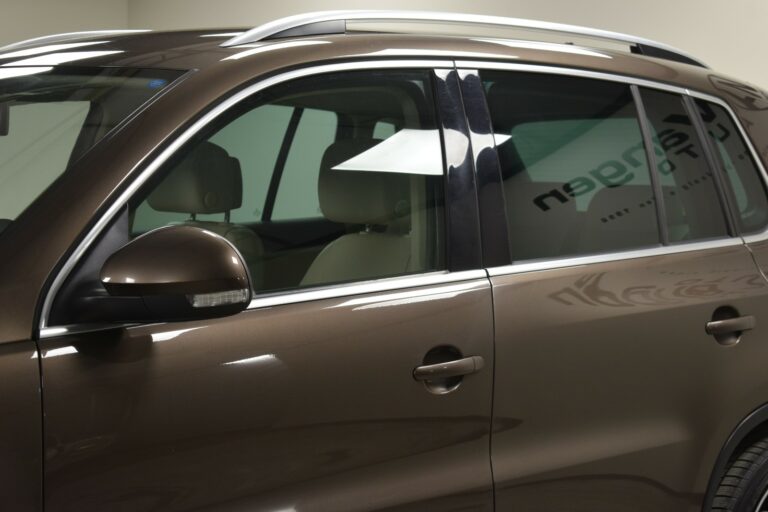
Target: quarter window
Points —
{"points": [[691, 202], [575, 174], [743, 182]]}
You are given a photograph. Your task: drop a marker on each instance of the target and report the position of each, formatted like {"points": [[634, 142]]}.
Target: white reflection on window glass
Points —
{"points": [[408, 151]]}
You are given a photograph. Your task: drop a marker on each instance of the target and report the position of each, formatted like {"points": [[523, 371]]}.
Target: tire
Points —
{"points": [[744, 485]]}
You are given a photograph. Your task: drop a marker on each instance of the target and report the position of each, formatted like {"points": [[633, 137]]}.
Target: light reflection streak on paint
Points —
{"points": [[402, 298]]}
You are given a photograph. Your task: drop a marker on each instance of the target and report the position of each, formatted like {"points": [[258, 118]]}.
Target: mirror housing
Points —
{"points": [[175, 273]]}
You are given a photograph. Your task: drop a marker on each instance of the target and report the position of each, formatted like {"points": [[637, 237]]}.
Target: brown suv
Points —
{"points": [[328, 265]]}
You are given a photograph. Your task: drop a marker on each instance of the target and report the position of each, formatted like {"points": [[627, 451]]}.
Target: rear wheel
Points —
{"points": [[744, 487]]}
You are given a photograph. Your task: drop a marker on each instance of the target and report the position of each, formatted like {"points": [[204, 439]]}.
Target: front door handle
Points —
{"points": [[457, 368], [730, 325]]}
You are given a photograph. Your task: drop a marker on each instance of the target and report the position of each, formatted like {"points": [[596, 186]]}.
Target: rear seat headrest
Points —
{"points": [[360, 197], [208, 180]]}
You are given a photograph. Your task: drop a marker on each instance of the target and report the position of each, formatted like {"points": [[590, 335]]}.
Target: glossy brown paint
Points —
{"points": [[335, 417], [21, 454], [185, 260], [619, 398], [296, 407]]}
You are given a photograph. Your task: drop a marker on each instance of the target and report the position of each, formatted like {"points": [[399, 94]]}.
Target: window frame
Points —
{"points": [[489, 173], [464, 272]]}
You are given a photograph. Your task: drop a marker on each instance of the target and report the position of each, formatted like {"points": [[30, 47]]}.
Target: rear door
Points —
{"points": [[322, 395], [610, 394]]}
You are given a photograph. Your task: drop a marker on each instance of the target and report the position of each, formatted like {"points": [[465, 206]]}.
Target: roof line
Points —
{"points": [[69, 36], [334, 22]]}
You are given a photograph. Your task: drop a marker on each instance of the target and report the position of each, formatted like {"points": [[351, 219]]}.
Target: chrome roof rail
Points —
{"points": [[334, 22], [68, 36]]}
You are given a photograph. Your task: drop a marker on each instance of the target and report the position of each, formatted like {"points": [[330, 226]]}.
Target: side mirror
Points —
{"points": [[175, 273]]}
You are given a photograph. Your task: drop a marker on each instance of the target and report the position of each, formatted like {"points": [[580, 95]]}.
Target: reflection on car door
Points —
{"points": [[609, 392], [308, 400], [307, 406]]}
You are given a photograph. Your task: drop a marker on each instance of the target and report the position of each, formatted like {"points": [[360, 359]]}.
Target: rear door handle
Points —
{"points": [[456, 368], [731, 325]]}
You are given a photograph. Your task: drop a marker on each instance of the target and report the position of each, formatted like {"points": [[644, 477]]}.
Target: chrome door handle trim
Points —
{"points": [[729, 325], [459, 367]]}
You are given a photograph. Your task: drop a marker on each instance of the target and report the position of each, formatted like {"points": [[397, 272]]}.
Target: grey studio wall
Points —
{"points": [[726, 35]]}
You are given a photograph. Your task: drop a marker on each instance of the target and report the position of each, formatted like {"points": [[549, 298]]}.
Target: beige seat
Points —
{"points": [[209, 181], [379, 201]]}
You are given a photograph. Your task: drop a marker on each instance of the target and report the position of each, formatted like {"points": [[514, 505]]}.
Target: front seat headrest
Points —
{"points": [[360, 197], [207, 180]]}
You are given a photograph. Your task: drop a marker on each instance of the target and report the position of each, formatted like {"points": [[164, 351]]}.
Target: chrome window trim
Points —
{"points": [[472, 65], [365, 287], [577, 261], [190, 132], [428, 284]]}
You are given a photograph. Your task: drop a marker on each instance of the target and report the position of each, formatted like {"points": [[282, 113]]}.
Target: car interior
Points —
{"points": [[370, 223], [562, 201]]}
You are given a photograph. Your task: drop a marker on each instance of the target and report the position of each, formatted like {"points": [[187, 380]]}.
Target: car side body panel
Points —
{"points": [[21, 448], [307, 406], [609, 393]]}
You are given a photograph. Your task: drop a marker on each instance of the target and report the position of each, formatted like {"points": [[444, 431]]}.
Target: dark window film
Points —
{"points": [[575, 174], [744, 184], [691, 202]]}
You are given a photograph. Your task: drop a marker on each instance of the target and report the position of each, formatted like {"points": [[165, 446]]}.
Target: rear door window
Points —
{"points": [[574, 168]]}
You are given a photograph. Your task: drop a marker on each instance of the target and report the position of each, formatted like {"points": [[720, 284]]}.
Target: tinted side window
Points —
{"points": [[576, 178], [691, 202], [306, 183], [743, 182], [254, 139], [297, 195]]}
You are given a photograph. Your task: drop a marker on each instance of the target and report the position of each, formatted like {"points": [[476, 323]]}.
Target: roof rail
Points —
{"points": [[335, 22], [68, 36]]}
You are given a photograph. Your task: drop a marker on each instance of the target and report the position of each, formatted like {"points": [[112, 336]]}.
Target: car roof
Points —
{"points": [[202, 50]]}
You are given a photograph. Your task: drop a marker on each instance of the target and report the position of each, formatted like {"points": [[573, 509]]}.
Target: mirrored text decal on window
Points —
{"points": [[691, 203], [744, 185], [574, 168]]}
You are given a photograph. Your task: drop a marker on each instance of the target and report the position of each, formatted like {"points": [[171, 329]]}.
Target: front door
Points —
{"points": [[322, 396]]}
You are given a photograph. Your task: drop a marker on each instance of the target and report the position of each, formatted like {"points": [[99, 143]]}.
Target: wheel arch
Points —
{"points": [[754, 426]]}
